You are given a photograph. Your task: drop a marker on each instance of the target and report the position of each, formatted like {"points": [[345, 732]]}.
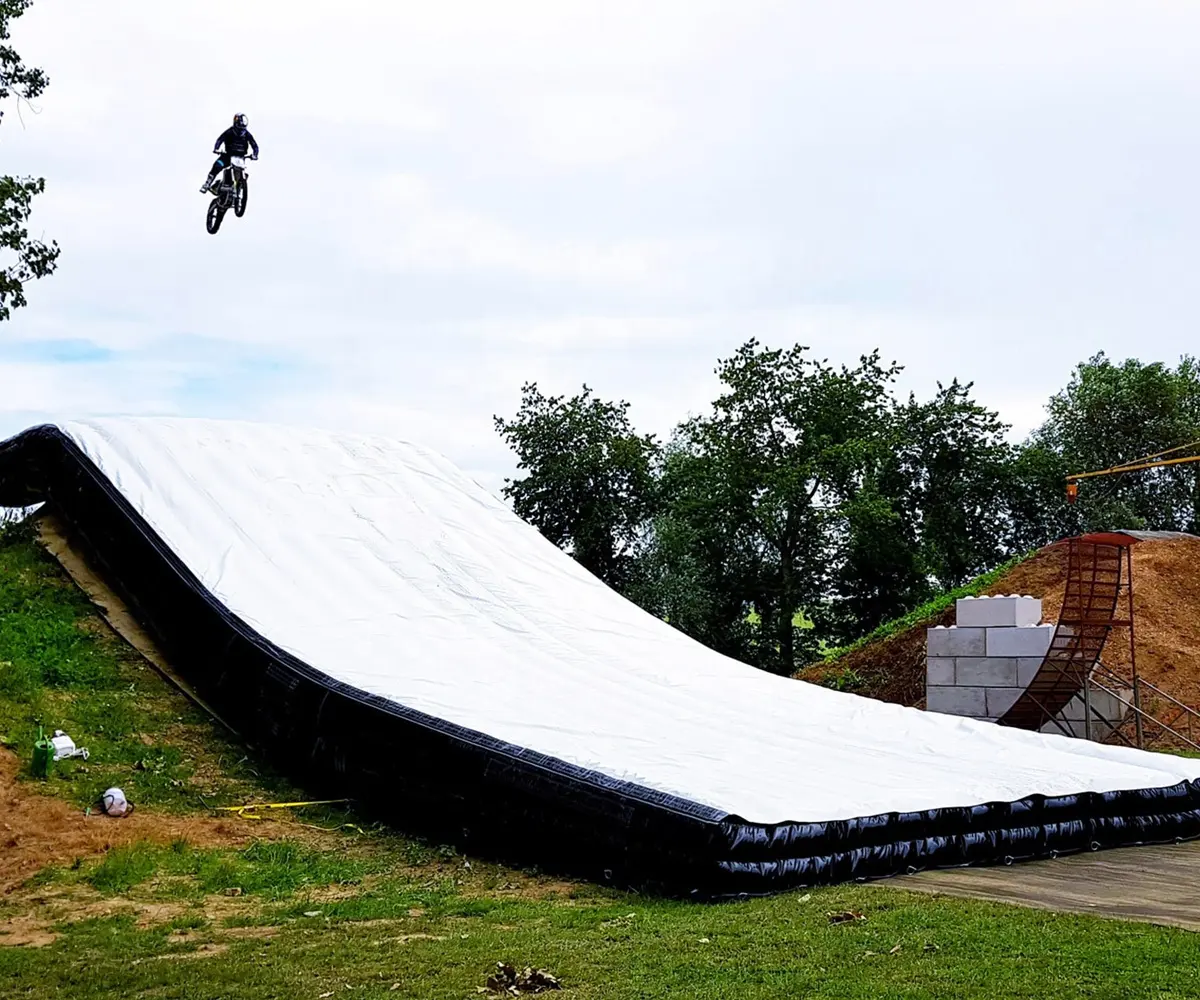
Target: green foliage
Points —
{"points": [[754, 496], [1108, 414], [1036, 498], [928, 513], [15, 77], [844, 679], [41, 643], [122, 868], [925, 612], [812, 487], [695, 570], [273, 869], [808, 487], [34, 258], [589, 485], [956, 461]]}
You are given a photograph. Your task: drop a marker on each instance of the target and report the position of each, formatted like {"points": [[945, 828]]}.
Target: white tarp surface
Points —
{"points": [[381, 565]]}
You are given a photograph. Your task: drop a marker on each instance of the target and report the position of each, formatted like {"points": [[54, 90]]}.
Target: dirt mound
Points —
{"points": [[1166, 610], [1166, 605], [37, 830]]}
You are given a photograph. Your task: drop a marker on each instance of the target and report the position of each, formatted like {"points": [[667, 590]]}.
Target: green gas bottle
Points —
{"points": [[43, 754]]}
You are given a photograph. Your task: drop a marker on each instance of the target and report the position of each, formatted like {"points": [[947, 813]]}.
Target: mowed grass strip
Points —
{"points": [[272, 869], [439, 942]]}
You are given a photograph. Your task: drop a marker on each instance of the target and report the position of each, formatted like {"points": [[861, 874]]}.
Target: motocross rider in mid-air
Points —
{"points": [[236, 139]]}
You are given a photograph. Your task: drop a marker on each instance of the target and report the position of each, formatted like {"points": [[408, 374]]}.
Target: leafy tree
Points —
{"points": [[753, 494], [958, 463], [698, 563], [927, 513], [34, 259], [879, 570], [1035, 499], [590, 482], [1111, 413], [809, 490]]}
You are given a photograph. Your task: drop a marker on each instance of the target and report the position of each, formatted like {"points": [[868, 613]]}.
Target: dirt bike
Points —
{"points": [[232, 191]]}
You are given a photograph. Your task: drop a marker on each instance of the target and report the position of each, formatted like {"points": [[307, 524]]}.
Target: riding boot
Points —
{"points": [[207, 184]]}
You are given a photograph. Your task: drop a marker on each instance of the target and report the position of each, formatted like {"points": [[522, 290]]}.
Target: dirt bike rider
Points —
{"points": [[236, 139]]}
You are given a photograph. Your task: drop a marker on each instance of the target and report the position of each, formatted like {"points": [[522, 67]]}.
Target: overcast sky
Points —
{"points": [[454, 198]]}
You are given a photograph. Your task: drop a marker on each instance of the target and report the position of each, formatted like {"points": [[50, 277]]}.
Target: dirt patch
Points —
{"points": [[210, 950], [535, 890], [1166, 592], [1166, 608], [250, 932], [405, 938], [37, 830], [150, 914], [25, 932], [43, 911], [334, 893]]}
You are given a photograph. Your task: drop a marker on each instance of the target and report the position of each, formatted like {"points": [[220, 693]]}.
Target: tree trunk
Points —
{"points": [[787, 609], [787, 596]]}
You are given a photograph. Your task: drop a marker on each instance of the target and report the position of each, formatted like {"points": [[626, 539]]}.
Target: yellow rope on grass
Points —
{"points": [[255, 806]]}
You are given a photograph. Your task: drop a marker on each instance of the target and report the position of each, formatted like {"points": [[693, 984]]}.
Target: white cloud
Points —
{"points": [[455, 198], [408, 228], [595, 129]]}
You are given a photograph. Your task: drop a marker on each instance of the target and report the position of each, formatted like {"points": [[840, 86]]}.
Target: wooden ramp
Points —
{"points": [[55, 538], [1094, 588], [1157, 885]]}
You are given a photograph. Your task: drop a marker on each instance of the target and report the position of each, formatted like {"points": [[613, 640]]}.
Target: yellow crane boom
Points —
{"points": [[1155, 460]]}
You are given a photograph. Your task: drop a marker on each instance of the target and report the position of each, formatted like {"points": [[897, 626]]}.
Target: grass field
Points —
{"points": [[316, 906], [294, 933]]}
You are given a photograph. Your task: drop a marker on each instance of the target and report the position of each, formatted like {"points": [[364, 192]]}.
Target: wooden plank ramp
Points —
{"points": [[55, 538], [1153, 884]]}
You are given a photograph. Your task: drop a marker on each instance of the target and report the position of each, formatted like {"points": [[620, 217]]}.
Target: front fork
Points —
{"points": [[229, 177]]}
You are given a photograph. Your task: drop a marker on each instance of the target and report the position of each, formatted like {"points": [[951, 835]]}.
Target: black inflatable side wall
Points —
{"points": [[434, 778]]}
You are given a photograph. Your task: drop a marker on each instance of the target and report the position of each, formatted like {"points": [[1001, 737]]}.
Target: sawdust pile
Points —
{"points": [[1166, 605]]}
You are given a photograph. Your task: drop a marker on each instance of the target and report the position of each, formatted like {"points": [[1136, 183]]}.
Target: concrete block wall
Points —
{"points": [[1108, 712], [1007, 611], [980, 666]]}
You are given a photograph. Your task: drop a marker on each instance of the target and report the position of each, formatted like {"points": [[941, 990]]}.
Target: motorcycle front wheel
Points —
{"points": [[240, 199], [215, 214]]}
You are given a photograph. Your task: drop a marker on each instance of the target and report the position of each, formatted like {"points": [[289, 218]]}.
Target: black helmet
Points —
{"points": [[239, 120]]}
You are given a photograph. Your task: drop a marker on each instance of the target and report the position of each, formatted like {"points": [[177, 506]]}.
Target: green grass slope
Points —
{"points": [[889, 662], [62, 667], [926, 612]]}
